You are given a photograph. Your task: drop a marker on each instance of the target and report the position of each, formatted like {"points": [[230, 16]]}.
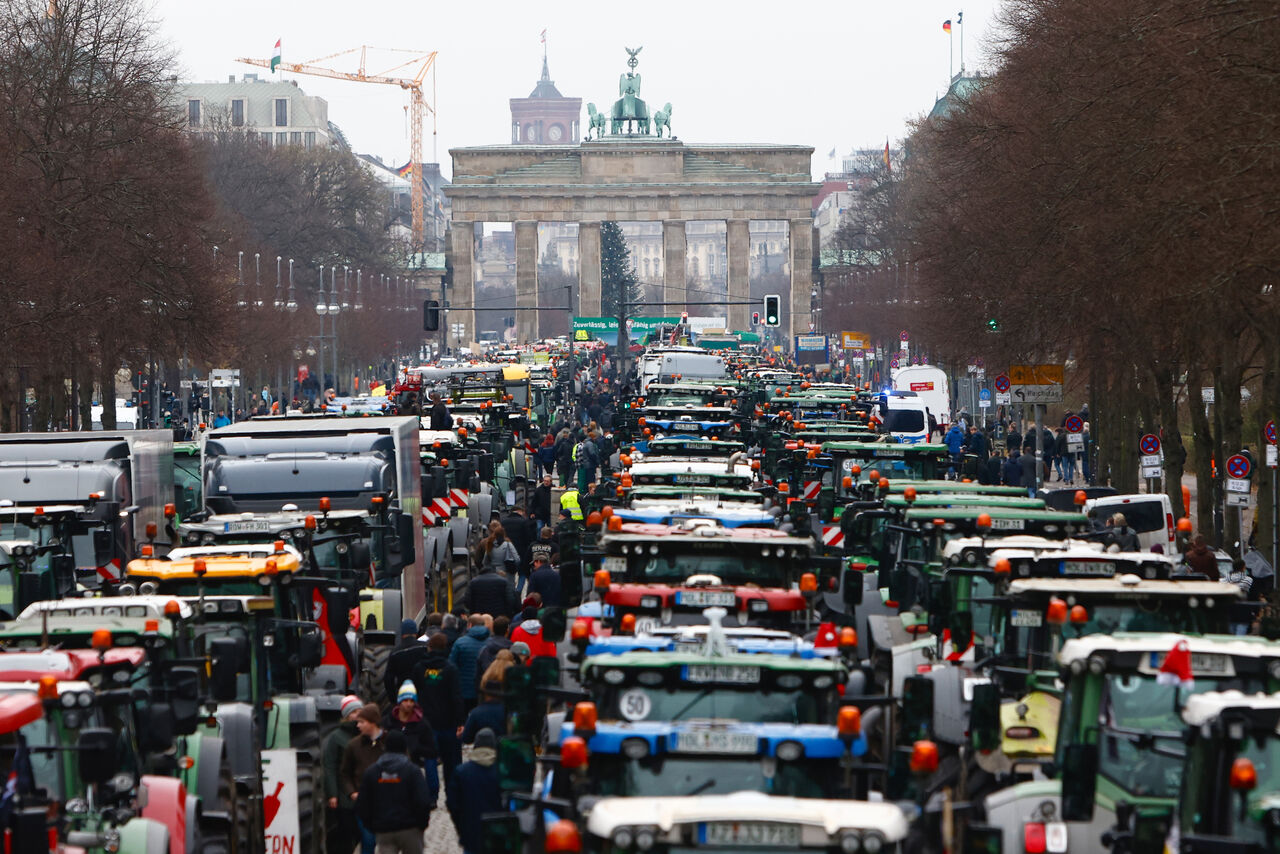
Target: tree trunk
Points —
{"points": [[1230, 424], [1265, 477], [107, 383], [1175, 453], [1203, 440]]}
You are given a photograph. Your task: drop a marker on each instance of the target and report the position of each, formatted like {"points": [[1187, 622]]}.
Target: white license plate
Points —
{"points": [[737, 675], [705, 598], [685, 425], [615, 565], [709, 741], [1089, 567], [1202, 663], [749, 834], [1026, 619], [1008, 524], [255, 525], [693, 478]]}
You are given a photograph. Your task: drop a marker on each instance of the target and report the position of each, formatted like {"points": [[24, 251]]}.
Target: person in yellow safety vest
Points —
{"points": [[569, 501]]}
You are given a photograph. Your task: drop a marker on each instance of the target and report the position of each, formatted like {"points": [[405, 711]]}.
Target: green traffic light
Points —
{"points": [[993, 325]]}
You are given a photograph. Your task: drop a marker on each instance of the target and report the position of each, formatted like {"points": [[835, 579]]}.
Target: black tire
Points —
{"points": [[373, 672], [306, 743]]}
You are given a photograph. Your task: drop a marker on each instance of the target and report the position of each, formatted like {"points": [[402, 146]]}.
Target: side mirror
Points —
{"points": [[917, 708], [984, 717], [224, 654], [1079, 775], [404, 531], [360, 556], [500, 832], [851, 587], [184, 698], [156, 733], [485, 468], [63, 570], [515, 766], [96, 753], [310, 649], [104, 546], [553, 625]]}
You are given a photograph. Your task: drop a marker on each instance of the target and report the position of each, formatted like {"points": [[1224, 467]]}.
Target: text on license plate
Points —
{"points": [[1089, 567], [737, 674], [1027, 619], [685, 425], [705, 598], [749, 833], [693, 478], [246, 525], [709, 741], [1008, 524], [1202, 663]]}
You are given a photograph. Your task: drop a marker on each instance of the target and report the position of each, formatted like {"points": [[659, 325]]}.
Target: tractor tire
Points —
{"points": [[306, 742], [373, 671]]}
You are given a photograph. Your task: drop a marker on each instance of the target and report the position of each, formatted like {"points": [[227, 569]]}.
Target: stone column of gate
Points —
{"points": [[462, 249], [800, 238], [526, 281], [738, 236], [588, 271], [674, 286]]}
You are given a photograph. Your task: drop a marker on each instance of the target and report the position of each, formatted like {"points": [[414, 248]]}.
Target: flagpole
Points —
{"points": [[951, 56], [960, 23]]}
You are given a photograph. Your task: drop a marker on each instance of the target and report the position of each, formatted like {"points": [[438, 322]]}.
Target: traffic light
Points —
{"points": [[772, 310], [431, 315], [993, 324], [755, 318]]}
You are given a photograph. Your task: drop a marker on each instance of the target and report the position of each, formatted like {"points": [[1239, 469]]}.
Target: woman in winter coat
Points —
{"points": [[497, 550]]}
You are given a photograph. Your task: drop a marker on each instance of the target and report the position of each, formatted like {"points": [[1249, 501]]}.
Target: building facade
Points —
{"points": [[278, 112]]}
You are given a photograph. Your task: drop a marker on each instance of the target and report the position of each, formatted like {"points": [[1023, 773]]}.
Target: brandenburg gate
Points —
{"points": [[630, 173]]}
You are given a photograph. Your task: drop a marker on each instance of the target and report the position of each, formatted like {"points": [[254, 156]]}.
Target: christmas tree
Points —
{"points": [[618, 281]]}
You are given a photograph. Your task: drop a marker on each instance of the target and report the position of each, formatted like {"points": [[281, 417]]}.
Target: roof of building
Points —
{"points": [[545, 88]]}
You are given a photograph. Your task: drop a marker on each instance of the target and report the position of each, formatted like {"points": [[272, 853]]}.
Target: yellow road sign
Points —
{"points": [[1035, 374]]}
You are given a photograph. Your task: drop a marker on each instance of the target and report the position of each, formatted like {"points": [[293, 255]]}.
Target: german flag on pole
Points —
{"points": [[946, 26]]}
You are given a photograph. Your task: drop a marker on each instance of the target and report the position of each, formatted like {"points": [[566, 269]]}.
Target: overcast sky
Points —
{"points": [[840, 75]]}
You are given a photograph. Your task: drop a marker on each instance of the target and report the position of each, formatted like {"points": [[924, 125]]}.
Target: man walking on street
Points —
{"points": [[341, 832], [394, 800], [465, 652], [476, 793], [440, 695], [357, 757]]}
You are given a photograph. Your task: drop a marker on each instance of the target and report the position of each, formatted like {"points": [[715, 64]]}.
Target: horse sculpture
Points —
{"points": [[661, 119], [595, 121]]}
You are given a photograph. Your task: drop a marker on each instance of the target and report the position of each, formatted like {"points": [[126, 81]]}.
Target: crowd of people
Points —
{"points": [[974, 454], [385, 766]]}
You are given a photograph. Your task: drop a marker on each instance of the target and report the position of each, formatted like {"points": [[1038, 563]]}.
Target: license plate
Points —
{"points": [[1026, 619], [709, 741], [737, 675], [705, 598], [1202, 663], [645, 625], [256, 525], [1089, 567], [1008, 524], [685, 425], [693, 478], [749, 834], [615, 565]]}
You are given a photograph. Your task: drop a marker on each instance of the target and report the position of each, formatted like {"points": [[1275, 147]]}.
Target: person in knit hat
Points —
{"points": [[357, 757], [407, 717], [340, 810], [475, 791]]}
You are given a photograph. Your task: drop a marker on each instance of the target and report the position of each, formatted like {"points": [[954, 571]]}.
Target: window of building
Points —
{"points": [[282, 138], [193, 113], [309, 139], [295, 138], [282, 112], [237, 112]]}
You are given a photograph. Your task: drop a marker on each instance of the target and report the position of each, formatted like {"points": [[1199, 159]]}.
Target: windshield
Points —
{"points": [[677, 775], [187, 484], [916, 468], [1137, 707], [904, 421], [731, 569], [868, 535], [747, 703]]}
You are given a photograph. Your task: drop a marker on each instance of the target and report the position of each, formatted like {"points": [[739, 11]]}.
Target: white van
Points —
{"points": [[1151, 515], [904, 416], [930, 385]]}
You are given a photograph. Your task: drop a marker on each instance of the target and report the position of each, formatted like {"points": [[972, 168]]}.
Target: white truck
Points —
{"points": [[930, 385]]}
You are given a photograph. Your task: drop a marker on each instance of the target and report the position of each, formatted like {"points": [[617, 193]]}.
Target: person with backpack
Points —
{"points": [[586, 456], [394, 801]]}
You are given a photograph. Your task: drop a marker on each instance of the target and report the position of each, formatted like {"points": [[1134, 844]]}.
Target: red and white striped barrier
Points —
{"points": [[811, 490], [832, 536]]}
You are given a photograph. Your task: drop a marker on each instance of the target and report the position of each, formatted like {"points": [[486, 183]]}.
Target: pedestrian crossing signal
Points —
{"points": [[772, 310]]}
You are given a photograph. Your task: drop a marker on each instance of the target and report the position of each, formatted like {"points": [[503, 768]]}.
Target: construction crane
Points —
{"points": [[423, 62]]}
